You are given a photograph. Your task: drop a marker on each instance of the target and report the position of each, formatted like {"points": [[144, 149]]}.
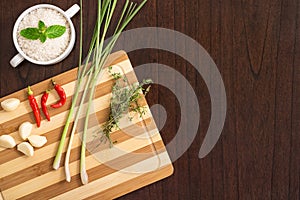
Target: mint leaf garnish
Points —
{"points": [[55, 31], [42, 26], [42, 32], [30, 33], [43, 38]]}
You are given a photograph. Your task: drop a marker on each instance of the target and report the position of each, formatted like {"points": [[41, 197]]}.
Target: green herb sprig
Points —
{"points": [[123, 100], [42, 32]]}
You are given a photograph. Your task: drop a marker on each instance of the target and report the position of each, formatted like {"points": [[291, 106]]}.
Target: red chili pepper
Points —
{"points": [[34, 106], [43, 103], [61, 92]]}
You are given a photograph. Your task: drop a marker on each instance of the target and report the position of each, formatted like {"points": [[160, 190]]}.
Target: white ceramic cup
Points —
{"points": [[68, 14]]}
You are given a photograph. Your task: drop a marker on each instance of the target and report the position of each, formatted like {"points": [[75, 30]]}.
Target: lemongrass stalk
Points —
{"points": [[95, 36], [57, 158], [100, 58], [83, 174], [131, 13], [129, 16], [122, 16], [81, 75], [118, 32], [105, 29], [58, 155], [84, 177], [67, 159]]}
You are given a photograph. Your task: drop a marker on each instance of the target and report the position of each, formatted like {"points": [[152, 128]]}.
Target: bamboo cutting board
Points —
{"points": [[137, 159]]}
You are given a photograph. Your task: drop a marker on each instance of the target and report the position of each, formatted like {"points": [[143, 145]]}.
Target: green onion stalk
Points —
{"points": [[89, 73]]}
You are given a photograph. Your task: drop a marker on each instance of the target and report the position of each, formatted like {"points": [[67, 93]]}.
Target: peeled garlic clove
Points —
{"points": [[37, 140], [10, 104], [25, 148], [7, 141], [25, 130]]}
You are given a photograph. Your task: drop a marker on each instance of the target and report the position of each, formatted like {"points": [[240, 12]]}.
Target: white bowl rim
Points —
{"points": [[60, 57]]}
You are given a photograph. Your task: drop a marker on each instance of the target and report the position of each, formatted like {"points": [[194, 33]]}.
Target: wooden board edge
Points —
{"points": [[114, 58], [134, 184]]}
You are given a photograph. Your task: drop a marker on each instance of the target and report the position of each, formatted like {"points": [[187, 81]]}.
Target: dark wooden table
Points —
{"points": [[256, 46]]}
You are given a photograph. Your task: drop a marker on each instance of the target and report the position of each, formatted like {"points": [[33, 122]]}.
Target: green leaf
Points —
{"points": [[43, 38], [42, 26], [30, 33], [55, 31]]}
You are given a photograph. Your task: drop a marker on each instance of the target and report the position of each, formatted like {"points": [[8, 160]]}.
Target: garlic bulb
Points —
{"points": [[37, 140], [25, 148], [25, 130], [7, 141], [10, 104]]}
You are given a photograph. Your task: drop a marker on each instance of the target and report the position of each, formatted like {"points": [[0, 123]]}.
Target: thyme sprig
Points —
{"points": [[124, 99]]}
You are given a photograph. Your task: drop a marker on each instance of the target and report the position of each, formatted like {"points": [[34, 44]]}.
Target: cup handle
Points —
{"points": [[16, 60], [72, 10]]}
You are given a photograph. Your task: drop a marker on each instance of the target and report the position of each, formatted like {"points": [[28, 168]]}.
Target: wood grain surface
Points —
{"points": [[255, 45]]}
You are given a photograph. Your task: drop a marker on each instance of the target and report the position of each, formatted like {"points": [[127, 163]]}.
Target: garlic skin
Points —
{"points": [[37, 140], [7, 141], [25, 130], [25, 148], [10, 104]]}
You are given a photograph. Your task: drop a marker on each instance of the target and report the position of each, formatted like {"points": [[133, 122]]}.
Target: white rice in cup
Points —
{"points": [[51, 48]]}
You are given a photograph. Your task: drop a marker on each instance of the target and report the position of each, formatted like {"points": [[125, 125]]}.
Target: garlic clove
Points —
{"points": [[25, 148], [10, 104], [25, 130], [7, 141], [37, 140]]}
